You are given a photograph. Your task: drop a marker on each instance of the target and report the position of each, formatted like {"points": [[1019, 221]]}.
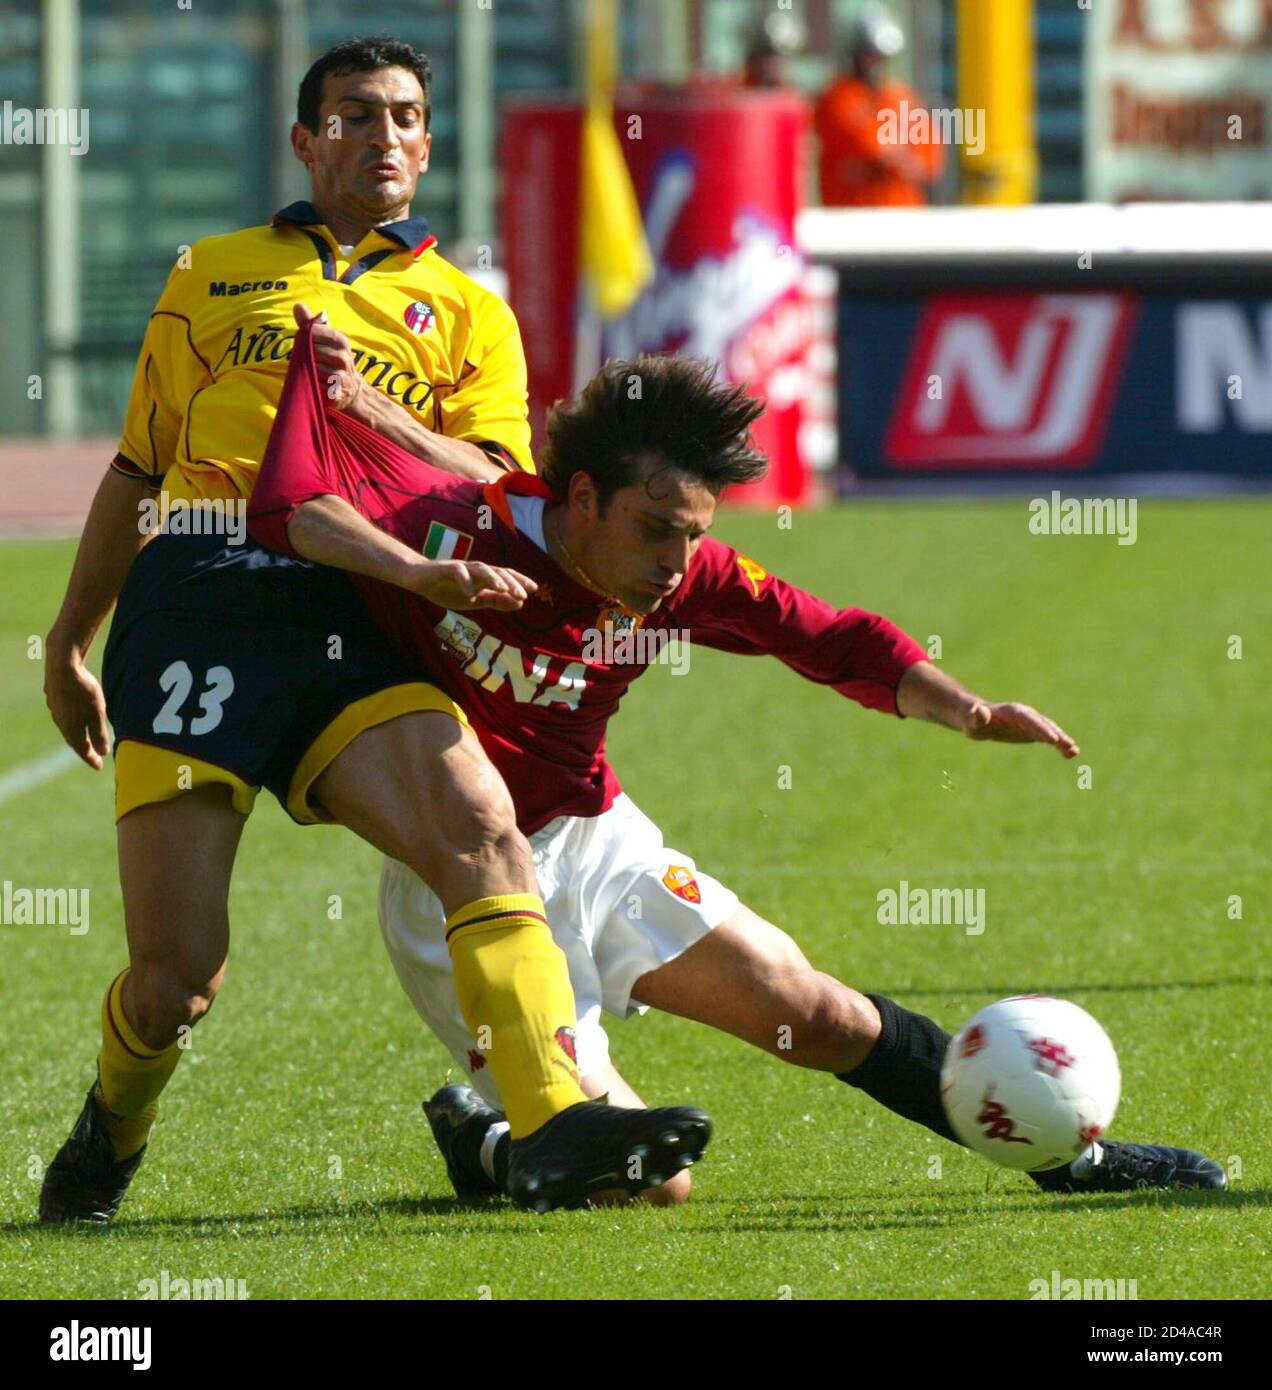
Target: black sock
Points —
{"points": [[903, 1070]]}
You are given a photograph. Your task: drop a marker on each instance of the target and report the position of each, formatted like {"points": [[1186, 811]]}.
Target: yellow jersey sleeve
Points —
{"points": [[152, 425], [491, 403]]}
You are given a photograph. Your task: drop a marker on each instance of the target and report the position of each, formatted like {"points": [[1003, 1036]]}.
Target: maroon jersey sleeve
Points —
{"points": [[732, 603], [314, 452]]}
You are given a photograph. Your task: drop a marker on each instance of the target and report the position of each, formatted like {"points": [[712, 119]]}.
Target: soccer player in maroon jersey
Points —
{"points": [[610, 546]]}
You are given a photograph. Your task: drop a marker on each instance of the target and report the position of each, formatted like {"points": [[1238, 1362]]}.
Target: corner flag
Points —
{"points": [[614, 259]]}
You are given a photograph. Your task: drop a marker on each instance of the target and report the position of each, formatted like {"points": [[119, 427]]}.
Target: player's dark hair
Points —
{"points": [[667, 411], [360, 55]]}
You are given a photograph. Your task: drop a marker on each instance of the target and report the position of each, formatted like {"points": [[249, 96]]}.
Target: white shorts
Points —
{"points": [[619, 904]]}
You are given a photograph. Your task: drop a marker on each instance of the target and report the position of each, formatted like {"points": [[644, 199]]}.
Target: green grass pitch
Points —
{"points": [[292, 1155]]}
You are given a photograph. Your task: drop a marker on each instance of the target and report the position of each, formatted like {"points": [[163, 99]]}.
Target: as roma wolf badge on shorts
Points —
{"points": [[681, 882]]}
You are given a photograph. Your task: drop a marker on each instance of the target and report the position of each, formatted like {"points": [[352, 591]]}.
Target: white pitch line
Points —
{"points": [[32, 774]]}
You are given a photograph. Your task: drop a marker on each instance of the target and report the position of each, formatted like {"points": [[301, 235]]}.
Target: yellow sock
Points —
{"points": [[130, 1075], [514, 991]]}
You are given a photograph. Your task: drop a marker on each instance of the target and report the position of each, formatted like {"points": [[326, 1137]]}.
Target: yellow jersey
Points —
{"points": [[211, 367]]}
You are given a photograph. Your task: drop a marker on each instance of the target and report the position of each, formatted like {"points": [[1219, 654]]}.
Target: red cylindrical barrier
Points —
{"points": [[719, 173]]}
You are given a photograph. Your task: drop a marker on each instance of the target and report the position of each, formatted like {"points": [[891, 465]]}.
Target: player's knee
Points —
{"points": [[489, 837], [672, 1193], [165, 997], [479, 844], [487, 854]]}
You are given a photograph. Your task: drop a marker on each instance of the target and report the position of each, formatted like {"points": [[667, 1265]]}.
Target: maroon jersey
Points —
{"points": [[540, 684]]}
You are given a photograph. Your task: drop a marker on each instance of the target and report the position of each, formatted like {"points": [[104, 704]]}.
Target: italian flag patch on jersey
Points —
{"points": [[442, 543]]}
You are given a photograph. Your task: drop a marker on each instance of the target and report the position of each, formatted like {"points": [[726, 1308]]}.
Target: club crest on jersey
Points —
{"points": [[619, 620], [756, 574], [419, 317], [681, 882], [444, 543], [460, 636]]}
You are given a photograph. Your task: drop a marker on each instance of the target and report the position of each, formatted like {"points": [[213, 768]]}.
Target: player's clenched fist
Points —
{"points": [[341, 383], [469, 584]]}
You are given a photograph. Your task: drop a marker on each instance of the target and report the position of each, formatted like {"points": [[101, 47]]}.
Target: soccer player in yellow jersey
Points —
{"points": [[230, 668]]}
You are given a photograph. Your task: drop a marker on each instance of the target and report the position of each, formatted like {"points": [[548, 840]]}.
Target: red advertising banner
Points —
{"points": [[1010, 380], [719, 173]]}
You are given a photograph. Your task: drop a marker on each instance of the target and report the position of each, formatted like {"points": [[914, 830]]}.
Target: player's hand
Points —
{"points": [[338, 376], [78, 707], [464, 584], [1012, 723]]}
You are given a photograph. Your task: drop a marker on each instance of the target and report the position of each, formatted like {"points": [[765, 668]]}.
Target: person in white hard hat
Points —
{"points": [[777, 39]]}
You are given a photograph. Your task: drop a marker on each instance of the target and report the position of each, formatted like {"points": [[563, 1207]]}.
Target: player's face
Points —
{"points": [[371, 146], [640, 549]]}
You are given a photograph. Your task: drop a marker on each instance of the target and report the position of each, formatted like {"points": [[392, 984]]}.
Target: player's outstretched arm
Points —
{"points": [[347, 390], [329, 531], [926, 692], [112, 537]]}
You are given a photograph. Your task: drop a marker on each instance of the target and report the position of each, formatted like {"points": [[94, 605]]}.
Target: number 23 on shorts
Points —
{"points": [[176, 682]]}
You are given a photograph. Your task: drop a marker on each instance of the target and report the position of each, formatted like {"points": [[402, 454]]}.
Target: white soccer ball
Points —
{"points": [[1030, 1082]]}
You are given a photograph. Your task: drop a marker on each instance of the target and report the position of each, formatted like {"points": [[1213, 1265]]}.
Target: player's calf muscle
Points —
{"points": [[749, 978], [809, 1019]]}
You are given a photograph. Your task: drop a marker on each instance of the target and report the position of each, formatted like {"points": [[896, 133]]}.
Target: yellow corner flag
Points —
{"points": [[614, 256]]}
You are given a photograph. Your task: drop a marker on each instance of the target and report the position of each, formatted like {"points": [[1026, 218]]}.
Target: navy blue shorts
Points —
{"points": [[234, 664]]}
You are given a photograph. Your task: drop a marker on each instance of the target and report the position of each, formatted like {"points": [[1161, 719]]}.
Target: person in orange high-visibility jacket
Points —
{"points": [[867, 158]]}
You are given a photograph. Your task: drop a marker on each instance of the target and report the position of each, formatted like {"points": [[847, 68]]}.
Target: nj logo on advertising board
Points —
{"points": [[1010, 380]]}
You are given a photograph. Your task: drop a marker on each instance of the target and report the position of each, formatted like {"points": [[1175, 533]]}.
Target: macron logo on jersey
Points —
{"points": [[1010, 379], [492, 663], [227, 289]]}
